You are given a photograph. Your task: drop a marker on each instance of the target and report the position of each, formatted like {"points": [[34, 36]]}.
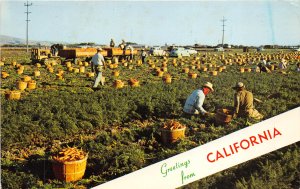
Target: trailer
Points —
{"points": [[73, 53], [118, 52], [41, 55]]}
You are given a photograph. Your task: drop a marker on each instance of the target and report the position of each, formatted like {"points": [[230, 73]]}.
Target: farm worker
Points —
{"points": [[123, 44], [131, 51], [194, 103], [298, 67], [263, 68], [283, 64], [144, 55], [263, 62], [54, 49], [243, 103], [97, 65], [112, 43]]}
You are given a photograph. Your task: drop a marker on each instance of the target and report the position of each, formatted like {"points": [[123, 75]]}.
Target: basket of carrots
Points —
{"points": [[172, 131], [69, 164]]}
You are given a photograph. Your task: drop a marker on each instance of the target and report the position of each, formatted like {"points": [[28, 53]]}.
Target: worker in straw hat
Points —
{"points": [[98, 64], [194, 103], [243, 103]]}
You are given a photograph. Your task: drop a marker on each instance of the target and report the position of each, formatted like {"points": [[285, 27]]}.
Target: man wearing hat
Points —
{"points": [[243, 103], [97, 65], [194, 103], [143, 55]]}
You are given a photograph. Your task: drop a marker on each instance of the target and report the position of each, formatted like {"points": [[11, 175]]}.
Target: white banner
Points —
{"points": [[215, 156]]}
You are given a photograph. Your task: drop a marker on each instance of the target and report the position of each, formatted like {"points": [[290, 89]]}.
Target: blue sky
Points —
{"points": [[155, 22]]}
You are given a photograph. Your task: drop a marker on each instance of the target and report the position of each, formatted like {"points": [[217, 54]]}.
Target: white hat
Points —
{"points": [[239, 85], [99, 49], [209, 85]]}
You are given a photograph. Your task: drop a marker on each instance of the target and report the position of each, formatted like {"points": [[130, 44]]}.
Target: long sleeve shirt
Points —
{"points": [[144, 54], [194, 103], [98, 60]]}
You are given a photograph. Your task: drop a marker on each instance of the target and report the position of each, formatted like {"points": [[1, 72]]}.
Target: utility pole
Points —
{"points": [[223, 25], [27, 20]]}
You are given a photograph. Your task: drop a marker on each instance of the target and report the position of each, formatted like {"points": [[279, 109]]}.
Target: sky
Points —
{"points": [[258, 22]]}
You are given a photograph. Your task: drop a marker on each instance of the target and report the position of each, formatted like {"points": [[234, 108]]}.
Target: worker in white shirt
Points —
{"points": [[131, 51], [194, 103], [98, 64]]}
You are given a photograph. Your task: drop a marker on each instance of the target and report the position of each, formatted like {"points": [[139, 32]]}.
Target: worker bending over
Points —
{"points": [[194, 103], [243, 103]]}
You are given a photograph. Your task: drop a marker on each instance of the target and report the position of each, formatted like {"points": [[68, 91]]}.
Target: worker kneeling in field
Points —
{"points": [[194, 103], [98, 64], [243, 103]]}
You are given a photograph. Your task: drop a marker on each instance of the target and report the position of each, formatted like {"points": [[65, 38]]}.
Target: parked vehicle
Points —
{"points": [[157, 51], [179, 52], [191, 51], [259, 49], [297, 49], [219, 49]]}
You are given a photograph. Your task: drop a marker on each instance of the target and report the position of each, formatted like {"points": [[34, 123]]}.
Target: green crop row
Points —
{"points": [[119, 128]]}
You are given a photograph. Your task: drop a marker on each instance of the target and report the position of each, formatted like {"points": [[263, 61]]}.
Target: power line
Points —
{"points": [[27, 20], [223, 30]]}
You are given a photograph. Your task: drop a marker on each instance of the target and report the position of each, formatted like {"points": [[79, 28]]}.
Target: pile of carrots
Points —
{"points": [[172, 125], [69, 154]]}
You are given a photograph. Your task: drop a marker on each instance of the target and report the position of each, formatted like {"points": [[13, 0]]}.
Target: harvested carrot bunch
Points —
{"points": [[69, 154], [132, 80], [172, 125]]}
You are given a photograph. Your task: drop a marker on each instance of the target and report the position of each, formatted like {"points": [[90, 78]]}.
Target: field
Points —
{"points": [[119, 127]]}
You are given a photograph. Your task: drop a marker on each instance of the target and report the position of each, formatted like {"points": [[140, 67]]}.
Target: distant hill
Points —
{"points": [[9, 40], [4, 39]]}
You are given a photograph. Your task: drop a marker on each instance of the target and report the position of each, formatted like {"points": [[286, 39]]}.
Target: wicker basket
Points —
{"points": [[134, 83], [168, 79], [90, 74], [26, 78], [76, 70], [169, 136], [13, 95], [118, 84], [31, 84], [81, 69], [223, 116], [37, 73], [214, 73], [69, 171], [22, 85], [4, 75], [116, 73], [185, 70], [193, 75], [160, 73]]}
